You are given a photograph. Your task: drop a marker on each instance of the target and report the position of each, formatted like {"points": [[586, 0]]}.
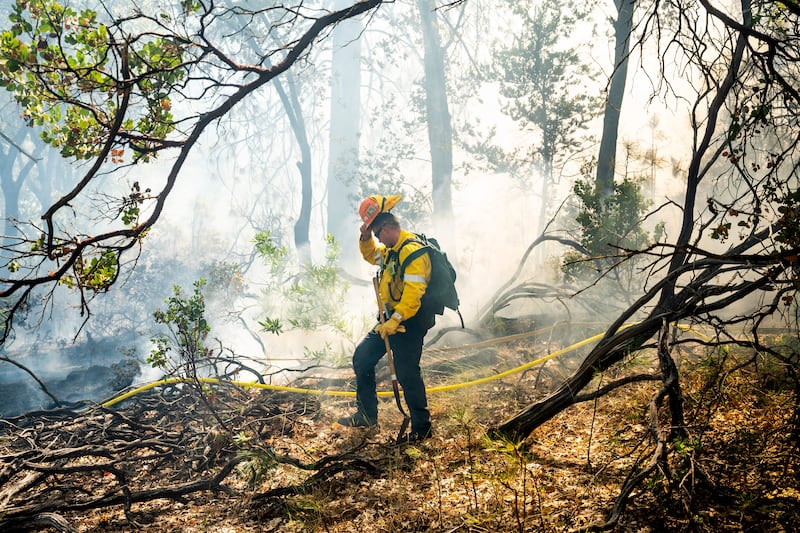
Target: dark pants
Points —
{"points": [[407, 350]]}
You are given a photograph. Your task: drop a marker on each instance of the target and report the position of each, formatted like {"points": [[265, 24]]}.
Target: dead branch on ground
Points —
{"points": [[162, 445]]}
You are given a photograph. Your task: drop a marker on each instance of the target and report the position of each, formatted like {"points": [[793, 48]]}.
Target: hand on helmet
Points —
{"points": [[366, 232], [390, 327]]}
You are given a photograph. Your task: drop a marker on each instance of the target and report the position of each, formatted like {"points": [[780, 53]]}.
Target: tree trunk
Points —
{"points": [[11, 184], [10, 188], [673, 304], [607, 155], [343, 162], [292, 105], [697, 166], [440, 131], [609, 351]]}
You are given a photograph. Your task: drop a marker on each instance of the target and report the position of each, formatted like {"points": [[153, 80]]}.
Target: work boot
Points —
{"points": [[358, 420], [415, 436]]}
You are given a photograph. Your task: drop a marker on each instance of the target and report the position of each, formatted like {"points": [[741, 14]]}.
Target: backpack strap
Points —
{"points": [[418, 238], [413, 255], [460, 318], [396, 253]]}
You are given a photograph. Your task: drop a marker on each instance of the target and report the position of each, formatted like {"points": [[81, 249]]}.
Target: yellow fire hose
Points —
{"points": [[326, 392]]}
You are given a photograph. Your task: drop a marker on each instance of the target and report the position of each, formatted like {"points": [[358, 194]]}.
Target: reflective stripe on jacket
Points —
{"points": [[402, 295]]}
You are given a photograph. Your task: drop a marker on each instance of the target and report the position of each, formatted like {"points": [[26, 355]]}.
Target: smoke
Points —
{"points": [[242, 178]]}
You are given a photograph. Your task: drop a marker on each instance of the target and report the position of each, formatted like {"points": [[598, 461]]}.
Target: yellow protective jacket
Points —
{"points": [[402, 295]]}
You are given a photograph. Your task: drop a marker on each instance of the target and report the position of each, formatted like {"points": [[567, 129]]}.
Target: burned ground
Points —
{"points": [[162, 462]]}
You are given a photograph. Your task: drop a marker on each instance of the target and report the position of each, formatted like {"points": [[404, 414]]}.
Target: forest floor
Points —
{"points": [[742, 472]]}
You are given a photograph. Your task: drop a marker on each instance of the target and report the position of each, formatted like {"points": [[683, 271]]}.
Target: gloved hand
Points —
{"points": [[366, 232], [389, 327]]}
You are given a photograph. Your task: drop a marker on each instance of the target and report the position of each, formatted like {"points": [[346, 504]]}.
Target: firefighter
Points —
{"points": [[405, 321]]}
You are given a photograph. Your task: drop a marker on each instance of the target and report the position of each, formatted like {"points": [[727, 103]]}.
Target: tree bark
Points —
{"points": [[612, 349], [440, 130], [606, 158], [11, 183], [291, 103], [343, 159]]}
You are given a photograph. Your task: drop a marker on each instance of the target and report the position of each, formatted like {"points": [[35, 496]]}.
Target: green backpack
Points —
{"points": [[441, 291]]}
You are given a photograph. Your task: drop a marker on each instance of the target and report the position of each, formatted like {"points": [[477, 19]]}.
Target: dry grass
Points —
{"points": [[565, 476]]}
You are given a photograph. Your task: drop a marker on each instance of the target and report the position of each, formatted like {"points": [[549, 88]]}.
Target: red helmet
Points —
{"points": [[374, 205]]}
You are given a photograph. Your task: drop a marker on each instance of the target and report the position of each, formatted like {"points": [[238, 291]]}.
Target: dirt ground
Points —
{"points": [[297, 470]]}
